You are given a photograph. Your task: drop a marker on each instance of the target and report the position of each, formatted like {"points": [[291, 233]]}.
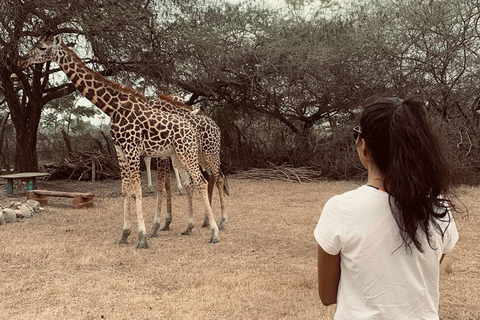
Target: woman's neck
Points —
{"points": [[375, 179]]}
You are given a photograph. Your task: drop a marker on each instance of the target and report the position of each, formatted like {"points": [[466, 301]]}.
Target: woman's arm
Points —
{"points": [[328, 276]]}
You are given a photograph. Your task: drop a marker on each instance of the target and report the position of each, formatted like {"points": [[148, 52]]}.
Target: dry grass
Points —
{"points": [[66, 264]]}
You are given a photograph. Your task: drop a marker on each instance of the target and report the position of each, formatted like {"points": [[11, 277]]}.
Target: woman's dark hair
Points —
{"points": [[416, 174]]}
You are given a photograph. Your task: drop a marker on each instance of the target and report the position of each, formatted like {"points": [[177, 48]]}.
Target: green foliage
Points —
{"points": [[66, 113]]}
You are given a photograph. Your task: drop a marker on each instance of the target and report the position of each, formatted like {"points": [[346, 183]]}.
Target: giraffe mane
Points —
{"points": [[117, 86], [176, 103]]}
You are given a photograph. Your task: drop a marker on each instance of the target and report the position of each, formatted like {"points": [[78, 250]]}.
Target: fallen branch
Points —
{"points": [[284, 172]]}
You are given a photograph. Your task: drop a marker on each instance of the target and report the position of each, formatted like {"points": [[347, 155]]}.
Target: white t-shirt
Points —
{"points": [[379, 278]]}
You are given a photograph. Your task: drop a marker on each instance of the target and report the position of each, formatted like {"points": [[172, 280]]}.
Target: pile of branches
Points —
{"points": [[80, 166], [283, 172]]}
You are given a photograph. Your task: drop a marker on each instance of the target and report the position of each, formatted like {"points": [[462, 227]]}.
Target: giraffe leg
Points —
{"points": [[158, 203], [126, 220], [211, 184], [148, 161], [186, 181], [168, 190], [220, 186], [178, 180], [136, 191], [189, 161], [126, 195], [213, 162], [202, 188]]}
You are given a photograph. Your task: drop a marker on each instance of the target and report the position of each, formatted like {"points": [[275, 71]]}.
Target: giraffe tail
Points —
{"points": [[226, 188]]}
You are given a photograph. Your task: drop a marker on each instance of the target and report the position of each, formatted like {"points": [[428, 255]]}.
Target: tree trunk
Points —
{"points": [[302, 144], [25, 114], [26, 148], [2, 131], [26, 121], [68, 142]]}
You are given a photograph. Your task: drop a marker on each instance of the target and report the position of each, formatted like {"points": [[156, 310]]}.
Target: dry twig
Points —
{"points": [[284, 172]]}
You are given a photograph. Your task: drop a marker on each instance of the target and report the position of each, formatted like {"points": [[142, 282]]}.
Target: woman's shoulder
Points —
{"points": [[360, 193], [353, 201]]}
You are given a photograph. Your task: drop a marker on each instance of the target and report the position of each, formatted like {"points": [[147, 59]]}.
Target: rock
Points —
{"points": [[25, 211], [9, 215], [34, 204], [14, 205]]}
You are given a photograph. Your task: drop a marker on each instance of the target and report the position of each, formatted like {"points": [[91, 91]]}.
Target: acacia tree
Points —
{"points": [[21, 23], [429, 48], [251, 58]]}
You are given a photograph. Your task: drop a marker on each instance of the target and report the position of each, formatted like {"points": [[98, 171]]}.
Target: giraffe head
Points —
{"points": [[45, 50]]}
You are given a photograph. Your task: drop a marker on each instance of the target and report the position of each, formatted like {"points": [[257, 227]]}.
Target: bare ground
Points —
{"points": [[65, 263]]}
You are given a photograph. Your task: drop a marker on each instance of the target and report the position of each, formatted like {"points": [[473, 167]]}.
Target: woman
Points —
{"points": [[380, 246]]}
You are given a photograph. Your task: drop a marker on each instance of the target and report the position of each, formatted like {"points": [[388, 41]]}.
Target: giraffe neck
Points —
{"points": [[107, 95]]}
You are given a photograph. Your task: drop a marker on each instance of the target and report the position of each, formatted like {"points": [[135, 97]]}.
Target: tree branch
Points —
{"points": [[63, 91]]}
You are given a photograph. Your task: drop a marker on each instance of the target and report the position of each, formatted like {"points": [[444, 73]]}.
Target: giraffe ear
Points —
{"points": [[57, 39]]}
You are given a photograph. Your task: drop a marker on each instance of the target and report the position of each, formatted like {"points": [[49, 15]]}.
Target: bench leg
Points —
{"points": [[9, 186], [42, 199], [82, 202], [32, 183]]}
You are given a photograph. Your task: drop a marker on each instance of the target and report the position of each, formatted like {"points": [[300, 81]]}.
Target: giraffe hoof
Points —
{"points": [[123, 241], [142, 246], [165, 229], [153, 235], [214, 241], [222, 226], [187, 233], [205, 225]]}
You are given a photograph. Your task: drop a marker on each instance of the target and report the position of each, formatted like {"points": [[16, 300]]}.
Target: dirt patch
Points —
{"points": [[66, 264]]}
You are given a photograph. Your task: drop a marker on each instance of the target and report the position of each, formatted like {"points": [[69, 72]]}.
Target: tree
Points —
{"points": [[430, 48], [21, 23], [292, 69]]}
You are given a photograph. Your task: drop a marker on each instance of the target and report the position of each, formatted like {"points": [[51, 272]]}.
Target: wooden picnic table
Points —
{"points": [[31, 178]]}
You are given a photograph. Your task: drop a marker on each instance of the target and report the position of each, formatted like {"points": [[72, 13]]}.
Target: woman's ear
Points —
{"points": [[363, 153], [363, 148]]}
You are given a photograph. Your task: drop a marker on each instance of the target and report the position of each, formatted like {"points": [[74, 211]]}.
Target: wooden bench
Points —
{"points": [[80, 199], [31, 178]]}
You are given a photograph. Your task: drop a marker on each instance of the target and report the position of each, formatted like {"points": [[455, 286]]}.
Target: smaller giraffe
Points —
{"points": [[148, 160], [209, 139]]}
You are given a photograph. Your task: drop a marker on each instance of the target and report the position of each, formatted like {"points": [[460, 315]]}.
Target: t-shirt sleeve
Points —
{"points": [[329, 230], [451, 236]]}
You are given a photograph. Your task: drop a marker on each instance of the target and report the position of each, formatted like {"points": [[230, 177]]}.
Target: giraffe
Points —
{"points": [[209, 138], [148, 160], [137, 129]]}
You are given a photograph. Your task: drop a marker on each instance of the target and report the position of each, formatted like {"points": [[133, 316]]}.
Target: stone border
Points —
{"points": [[18, 211]]}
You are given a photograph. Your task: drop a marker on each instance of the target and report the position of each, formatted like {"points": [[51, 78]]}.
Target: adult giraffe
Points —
{"points": [[136, 129], [209, 137]]}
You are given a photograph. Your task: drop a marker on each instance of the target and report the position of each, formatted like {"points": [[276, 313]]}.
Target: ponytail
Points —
{"points": [[416, 174]]}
